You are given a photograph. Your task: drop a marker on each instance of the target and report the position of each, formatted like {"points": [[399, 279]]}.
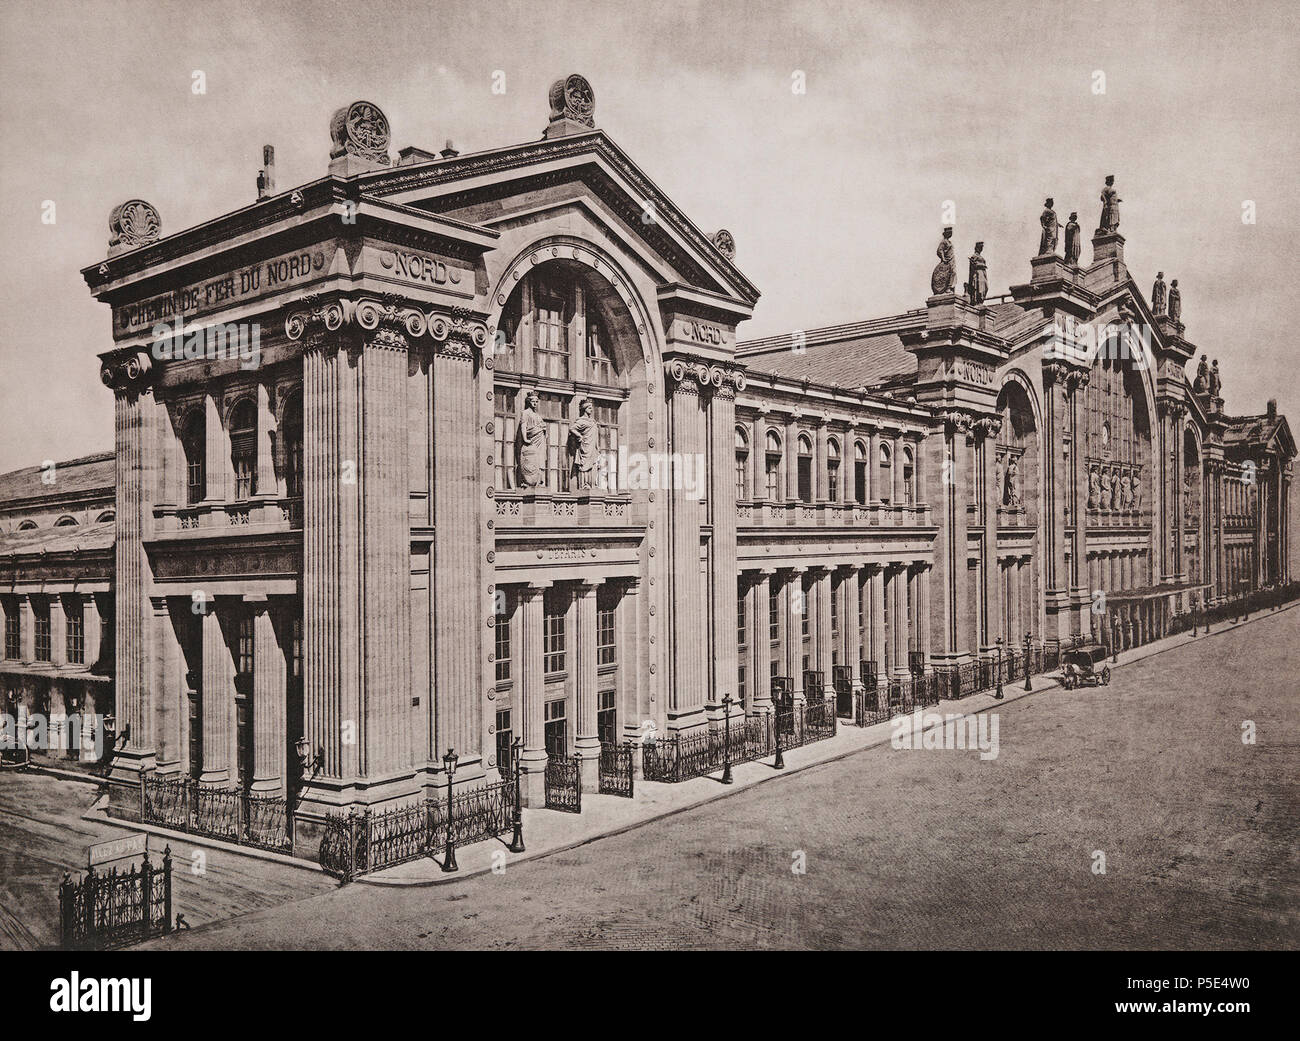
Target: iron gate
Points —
{"points": [[616, 770], [843, 679], [564, 783]]}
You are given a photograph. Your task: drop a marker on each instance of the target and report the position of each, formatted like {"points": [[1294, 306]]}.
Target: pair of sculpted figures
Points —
{"points": [[530, 446]]}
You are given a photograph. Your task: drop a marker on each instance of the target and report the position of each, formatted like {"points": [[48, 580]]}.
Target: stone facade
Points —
{"points": [[371, 536]]}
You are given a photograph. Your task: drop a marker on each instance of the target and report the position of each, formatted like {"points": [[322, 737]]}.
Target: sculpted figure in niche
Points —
{"points": [[1105, 489], [999, 481], [1094, 488], [1137, 491], [1047, 242], [1073, 242], [1013, 483], [945, 272], [1126, 491], [582, 446], [530, 444]]}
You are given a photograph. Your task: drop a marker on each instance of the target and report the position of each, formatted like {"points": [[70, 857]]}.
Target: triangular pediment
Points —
{"points": [[586, 171]]}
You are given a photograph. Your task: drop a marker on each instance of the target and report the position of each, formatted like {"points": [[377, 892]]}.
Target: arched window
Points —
{"points": [[243, 448], [291, 437], [805, 468], [772, 469], [860, 473], [107, 517], [27, 525], [194, 444], [66, 522], [909, 476], [742, 465], [886, 482], [833, 470]]}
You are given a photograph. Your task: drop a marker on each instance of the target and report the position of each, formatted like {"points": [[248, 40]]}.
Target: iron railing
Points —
{"points": [[616, 770], [113, 909], [245, 818], [361, 841], [564, 783]]}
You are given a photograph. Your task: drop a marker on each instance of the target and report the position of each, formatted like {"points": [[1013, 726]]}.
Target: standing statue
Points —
{"points": [[1094, 487], [530, 445], [1105, 490], [1158, 294], [1216, 381], [978, 284], [999, 481], [1175, 302], [1047, 243], [1126, 490], [1110, 201], [1202, 383], [1073, 240], [1137, 490], [1013, 483], [582, 446], [945, 272]]}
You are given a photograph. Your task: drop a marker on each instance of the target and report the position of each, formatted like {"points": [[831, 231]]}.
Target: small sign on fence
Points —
{"points": [[113, 850]]}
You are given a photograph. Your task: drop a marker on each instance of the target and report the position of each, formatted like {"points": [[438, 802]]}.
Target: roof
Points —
{"points": [[66, 539], [853, 355], [90, 473], [1251, 429]]}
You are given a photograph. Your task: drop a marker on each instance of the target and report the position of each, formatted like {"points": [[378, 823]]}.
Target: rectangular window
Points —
{"points": [[773, 477], [741, 636], [606, 446], [505, 737], [835, 613], [553, 631], [606, 645], [805, 478], [742, 471], [295, 649], [13, 630], [606, 718], [599, 367], [244, 658], [503, 619], [76, 629], [773, 612], [503, 435], [554, 412], [803, 612], [740, 681], [41, 615], [550, 331], [833, 483], [556, 728]]}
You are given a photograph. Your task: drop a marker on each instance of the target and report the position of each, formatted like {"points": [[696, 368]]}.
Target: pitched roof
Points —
{"points": [[90, 473], [1248, 430], [85, 537], [853, 355]]}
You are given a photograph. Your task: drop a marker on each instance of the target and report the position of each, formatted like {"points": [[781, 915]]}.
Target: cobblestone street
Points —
{"points": [[928, 849]]}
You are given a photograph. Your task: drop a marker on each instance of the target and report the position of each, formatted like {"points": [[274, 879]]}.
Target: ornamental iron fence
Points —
{"points": [[113, 909], [564, 783], [245, 818], [616, 770]]}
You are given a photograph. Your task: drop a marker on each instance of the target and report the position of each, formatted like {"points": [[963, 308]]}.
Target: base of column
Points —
{"points": [[589, 749], [532, 778], [129, 763]]}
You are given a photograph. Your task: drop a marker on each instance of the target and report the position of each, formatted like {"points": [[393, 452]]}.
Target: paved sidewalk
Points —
{"points": [[551, 831]]}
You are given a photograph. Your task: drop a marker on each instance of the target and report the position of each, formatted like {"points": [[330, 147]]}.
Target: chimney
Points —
{"points": [[266, 176], [1272, 408], [449, 152]]}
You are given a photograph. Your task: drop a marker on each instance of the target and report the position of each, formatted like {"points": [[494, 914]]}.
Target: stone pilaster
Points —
{"points": [[218, 700], [760, 645], [722, 547], [168, 681], [269, 676], [876, 652], [58, 632], [583, 670], [823, 644], [266, 438], [898, 619], [531, 691]]}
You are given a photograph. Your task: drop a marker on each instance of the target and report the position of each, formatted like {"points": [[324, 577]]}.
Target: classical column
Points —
{"points": [[633, 708], [949, 456], [27, 627], [169, 680], [873, 493], [850, 621], [587, 742], [821, 465], [269, 675], [877, 649], [790, 459], [760, 644], [898, 619], [896, 467], [721, 403], [822, 635], [58, 631], [794, 602], [923, 608], [531, 691], [216, 459], [218, 699], [91, 627], [991, 614], [758, 457], [266, 436], [688, 595]]}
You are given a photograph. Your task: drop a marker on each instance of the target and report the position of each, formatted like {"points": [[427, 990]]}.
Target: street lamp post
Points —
{"points": [[779, 762], [998, 694], [449, 861], [517, 838], [1114, 640], [1028, 685], [726, 739]]}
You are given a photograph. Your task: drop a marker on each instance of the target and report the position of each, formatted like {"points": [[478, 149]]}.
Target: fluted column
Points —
{"points": [[587, 741], [218, 700], [758, 457], [269, 673], [266, 437], [531, 691], [216, 455], [876, 650], [760, 644], [688, 595], [58, 632], [169, 681], [821, 459], [898, 619], [823, 644], [91, 626], [794, 602], [850, 622], [790, 459], [721, 403]]}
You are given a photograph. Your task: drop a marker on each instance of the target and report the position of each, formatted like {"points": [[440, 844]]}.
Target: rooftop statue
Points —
{"points": [[1073, 243], [1110, 201], [1047, 242], [1158, 294], [978, 284], [1175, 302], [944, 274]]}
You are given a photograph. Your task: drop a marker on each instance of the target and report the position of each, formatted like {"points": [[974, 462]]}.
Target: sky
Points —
{"points": [[835, 195]]}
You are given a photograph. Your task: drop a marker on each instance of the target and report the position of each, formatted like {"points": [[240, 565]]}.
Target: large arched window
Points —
{"points": [[194, 444], [833, 470], [909, 476], [742, 465], [243, 448], [860, 465], [886, 481], [291, 438], [805, 468], [772, 465], [560, 335]]}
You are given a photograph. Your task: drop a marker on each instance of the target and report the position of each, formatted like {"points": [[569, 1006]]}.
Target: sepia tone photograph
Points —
{"points": [[565, 476]]}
